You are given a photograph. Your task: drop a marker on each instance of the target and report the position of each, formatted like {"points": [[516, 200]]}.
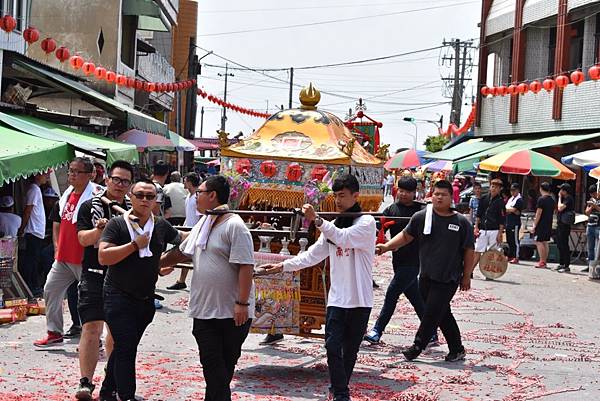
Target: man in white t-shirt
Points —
{"points": [[9, 221], [349, 243], [222, 290], [191, 183], [176, 191], [33, 231]]}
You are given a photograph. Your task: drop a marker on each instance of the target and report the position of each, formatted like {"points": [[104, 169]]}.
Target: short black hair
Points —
{"points": [[444, 184], [144, 181], [160, 168], [408, 184], [88, 166], [515, 185], [545, 186], [346, 181], [476, 184], [592, 189], [123, 165], [220, 185], [193, 179]]}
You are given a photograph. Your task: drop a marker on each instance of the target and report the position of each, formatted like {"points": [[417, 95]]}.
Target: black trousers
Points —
{"points": [[563, 232], [29, 262], [437, 297], [344, 331], [220, 346], [127, 319], [512, 237]]}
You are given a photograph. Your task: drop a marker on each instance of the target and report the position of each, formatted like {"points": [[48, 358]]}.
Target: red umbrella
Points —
{"points": [[145, 140], [409, 158]]}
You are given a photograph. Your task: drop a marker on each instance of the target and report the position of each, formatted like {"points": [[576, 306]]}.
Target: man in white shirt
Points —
{"points": [[349, 243], [191, 182], [33, 231], [9, 221], [176, 191]]}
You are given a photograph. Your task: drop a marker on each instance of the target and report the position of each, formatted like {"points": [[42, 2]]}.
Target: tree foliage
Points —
{"points": [[435, 143]]}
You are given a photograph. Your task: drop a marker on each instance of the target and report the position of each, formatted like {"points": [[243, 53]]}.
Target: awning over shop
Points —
{"points": [[150, 16], [464, 149], [22, 155], [181, 143], [85, 142], [135, 119]]}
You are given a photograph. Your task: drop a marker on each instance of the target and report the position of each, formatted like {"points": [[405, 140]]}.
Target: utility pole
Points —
{"points": [[291, 85], [224, 115], [201, 121], [459, 78]]}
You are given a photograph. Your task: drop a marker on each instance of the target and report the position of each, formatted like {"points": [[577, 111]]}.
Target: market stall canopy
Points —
{"points": [[22, 155], [181, 143], [83, 141], [146, 141], [304, 134], [588, 158], [134, 118], [465, 149], [595, 173], [526, 162]]}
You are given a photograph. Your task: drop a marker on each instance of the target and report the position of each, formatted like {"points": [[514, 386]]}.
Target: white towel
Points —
{"points": [[135, 230], [512, 201], [89, 191], [428, 219], [199, 235]]}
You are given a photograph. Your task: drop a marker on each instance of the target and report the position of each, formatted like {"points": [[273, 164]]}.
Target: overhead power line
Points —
{"points": [[336, 20]]}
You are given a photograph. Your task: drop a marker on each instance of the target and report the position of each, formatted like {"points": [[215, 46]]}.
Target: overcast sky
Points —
{"points": [[383, 84]]}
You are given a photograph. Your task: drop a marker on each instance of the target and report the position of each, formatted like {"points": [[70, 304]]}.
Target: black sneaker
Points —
{"points": [[74, 331], [412, 352], [177, 286], [85, 390], [271, 339], [564, 270], [456, 356], [108, 396]]}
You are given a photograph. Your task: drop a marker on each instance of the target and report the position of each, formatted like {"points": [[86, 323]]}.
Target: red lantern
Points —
{"points": [[485, 91], [76, 62], [88, 68], [31, 35], [594, 72], [562, 81], [548, 84], [151, 87], [121, 80], [130, 82], [535, 87], [522, 88], [577, 77], [111, 76], [243, 166], [501, 90], [139, 85], [62, 54], [512, 89], [268, 168], [294, 172], [318, 172], [9, 23], [100, 73], [48, 45]]}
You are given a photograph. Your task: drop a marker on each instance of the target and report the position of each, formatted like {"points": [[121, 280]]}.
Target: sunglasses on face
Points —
{"points": [[199, 191], [141, 195]]}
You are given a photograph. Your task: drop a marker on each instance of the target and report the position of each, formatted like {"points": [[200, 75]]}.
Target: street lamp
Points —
{"points": [[412, 121]]}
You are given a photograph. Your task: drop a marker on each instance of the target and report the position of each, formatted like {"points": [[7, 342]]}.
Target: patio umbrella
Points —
{"points": [[595, 173], [525, 162], [145, 140], [587, 159], [439, 165], [409, 158]]}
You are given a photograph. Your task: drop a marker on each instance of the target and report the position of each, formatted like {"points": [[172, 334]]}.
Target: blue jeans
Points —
{"points": [[344, 331], [404, 281], [592, 239]]}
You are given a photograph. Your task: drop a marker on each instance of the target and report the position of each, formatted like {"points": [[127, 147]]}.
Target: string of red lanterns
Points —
{"points": [[549, 84], [230, 106]]}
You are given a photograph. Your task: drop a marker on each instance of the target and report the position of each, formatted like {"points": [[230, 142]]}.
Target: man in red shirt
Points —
{"points": [[68, 253]]}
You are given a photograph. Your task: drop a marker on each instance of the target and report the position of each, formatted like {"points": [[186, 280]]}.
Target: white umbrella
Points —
{"points": [[588, 158]]}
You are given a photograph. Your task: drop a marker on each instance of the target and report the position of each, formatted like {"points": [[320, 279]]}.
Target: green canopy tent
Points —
{"points": [[22, 155]]}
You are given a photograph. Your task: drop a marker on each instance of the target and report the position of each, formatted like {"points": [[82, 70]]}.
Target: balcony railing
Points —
{"points": [[155, 68]]}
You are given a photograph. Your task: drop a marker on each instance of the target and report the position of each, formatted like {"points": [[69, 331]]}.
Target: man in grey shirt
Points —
{"points": [[222, 290]]}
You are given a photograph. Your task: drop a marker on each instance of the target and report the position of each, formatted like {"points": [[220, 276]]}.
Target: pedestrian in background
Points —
{"points": [[474, 201], [514, 207], [542, 223], [592, 210], [176, 191], [9, 221], [565, 218]]}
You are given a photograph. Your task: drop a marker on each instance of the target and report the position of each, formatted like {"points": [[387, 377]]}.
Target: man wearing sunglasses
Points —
{"points": [[131, 246], [91, 220]]}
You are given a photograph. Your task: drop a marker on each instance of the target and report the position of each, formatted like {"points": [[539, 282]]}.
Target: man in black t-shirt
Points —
{"points": [[91, 220], [446, 245], [514, 206], [564, 218], [404, 260], [490, 220], [131, 246], [542, 224]]}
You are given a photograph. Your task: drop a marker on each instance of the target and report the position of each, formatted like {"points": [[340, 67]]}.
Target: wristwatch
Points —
{"points": [[318, 221]]}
